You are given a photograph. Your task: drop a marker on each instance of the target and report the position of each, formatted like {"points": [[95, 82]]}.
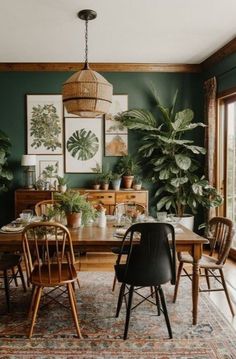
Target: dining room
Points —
{"points": [[116, 147]]}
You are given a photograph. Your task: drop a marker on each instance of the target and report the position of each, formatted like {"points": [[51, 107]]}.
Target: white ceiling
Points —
{"points": [[141, 31]]}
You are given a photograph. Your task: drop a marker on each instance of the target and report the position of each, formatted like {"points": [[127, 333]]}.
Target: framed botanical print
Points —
{"points": [[49, 167], [116, 145], [116, 134], [44, 124], [83, 144]]}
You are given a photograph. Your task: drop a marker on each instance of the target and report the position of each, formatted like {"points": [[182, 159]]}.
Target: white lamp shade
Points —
{"points": [[28, 160]]}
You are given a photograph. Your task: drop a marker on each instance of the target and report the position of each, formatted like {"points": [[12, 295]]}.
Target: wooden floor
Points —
{"points": [[105, 262]]}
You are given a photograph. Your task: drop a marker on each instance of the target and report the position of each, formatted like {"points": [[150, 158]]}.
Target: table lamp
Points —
{"points": [[29, 162]]}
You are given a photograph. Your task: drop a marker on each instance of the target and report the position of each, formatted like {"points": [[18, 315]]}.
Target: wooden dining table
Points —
{"points": [[95, 239]]}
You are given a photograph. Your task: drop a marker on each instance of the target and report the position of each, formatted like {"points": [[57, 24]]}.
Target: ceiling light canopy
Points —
{"points": [[87, 93]]}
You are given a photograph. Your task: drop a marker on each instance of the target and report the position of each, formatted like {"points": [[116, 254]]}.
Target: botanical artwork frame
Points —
{"points": [[44, 124], [67, 114], [83, 144], [116, 144], [116, 135], [44, 163]]}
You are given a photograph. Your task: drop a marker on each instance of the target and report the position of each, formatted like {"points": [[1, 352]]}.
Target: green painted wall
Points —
{"points": [[137, 85], [225, 72]]}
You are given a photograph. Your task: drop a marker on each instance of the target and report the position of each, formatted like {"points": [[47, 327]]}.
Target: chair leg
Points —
{"points": [[207, 279], [177, 281], [131, 291], [7, 290], [35, 309], [163, 303], [157, 302], [73, 309], [226, 292], [33, 293], [14, 276], [114, 283], [120, 299], [21, 277], [77, 280]]}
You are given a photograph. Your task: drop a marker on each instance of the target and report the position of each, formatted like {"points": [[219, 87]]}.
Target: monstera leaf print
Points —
{"points": [[83, 144]]}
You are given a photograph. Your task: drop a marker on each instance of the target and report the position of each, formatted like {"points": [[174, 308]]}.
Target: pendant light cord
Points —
{"points": [[86, 65]]}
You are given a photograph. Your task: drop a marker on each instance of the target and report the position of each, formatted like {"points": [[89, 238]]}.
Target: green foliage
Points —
{"points": [[173, 160], [62, 180], [72, 201], [5, 173], [106, 175], [50, 171], [83, 144], [128, 166], [45, 127]]}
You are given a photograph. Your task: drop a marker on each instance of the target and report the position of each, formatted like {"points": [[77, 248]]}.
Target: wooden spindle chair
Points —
{"points": [[49, 268]]}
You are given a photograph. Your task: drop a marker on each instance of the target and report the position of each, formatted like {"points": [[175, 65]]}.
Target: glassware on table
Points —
{"points": [[162, 216], [26, 215]]}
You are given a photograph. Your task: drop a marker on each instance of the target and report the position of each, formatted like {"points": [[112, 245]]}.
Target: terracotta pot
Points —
{"points": [[96, 186], [74, 220], [105, 186], [127, 181]]}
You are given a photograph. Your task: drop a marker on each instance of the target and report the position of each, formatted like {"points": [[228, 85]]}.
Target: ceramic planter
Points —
{"points": [[116, 184], [74, 220], [127, 181]]}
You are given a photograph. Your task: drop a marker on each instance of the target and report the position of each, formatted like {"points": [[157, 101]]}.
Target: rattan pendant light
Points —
{"points": [[87, 93]]}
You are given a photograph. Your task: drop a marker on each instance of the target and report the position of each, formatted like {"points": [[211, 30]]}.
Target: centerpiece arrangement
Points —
{"points": [[75, 207]]}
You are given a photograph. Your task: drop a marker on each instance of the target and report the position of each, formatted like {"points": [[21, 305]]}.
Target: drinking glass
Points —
{"points": [[26, 215]]}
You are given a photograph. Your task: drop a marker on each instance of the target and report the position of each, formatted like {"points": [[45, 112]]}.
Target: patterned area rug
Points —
{"points": [[54, 333]]}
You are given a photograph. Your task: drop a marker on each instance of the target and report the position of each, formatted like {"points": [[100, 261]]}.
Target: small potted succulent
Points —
{"points": [[96, 181], [105, 178], [62, 183], [137, 183]]}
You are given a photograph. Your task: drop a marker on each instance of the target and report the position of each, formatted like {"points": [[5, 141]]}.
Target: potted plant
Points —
{"points": [[137, 183], [105, 178], [5, 173], [128, 166], [96, 181], [116, 181], [76, 208], [62, 183], [174, 162]]}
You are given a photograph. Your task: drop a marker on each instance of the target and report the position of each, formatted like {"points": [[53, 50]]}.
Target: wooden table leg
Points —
{"points": [[196, 253]]}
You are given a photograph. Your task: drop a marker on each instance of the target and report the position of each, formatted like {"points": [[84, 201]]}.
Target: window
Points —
{"points": [[227, 155]]}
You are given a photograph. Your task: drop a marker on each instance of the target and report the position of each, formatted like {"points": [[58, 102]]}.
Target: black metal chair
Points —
{"points": [[150, 262]]}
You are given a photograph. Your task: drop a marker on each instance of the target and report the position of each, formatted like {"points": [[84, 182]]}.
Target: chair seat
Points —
{"points": [[9, 260], [67, 276], [205, 262]]}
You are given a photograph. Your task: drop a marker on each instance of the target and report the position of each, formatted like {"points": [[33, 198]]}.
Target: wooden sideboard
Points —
{"points": [[26, 199]]}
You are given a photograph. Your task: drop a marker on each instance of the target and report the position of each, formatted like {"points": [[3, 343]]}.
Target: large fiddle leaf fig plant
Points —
{"points": [[174, 161], [5, 173]]}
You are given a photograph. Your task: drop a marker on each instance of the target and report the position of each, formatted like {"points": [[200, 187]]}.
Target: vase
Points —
{"points": [[74, 219], [62, 188], [102, 220], [127, 181], [187, 220], [116, 184], [105, 186]]}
